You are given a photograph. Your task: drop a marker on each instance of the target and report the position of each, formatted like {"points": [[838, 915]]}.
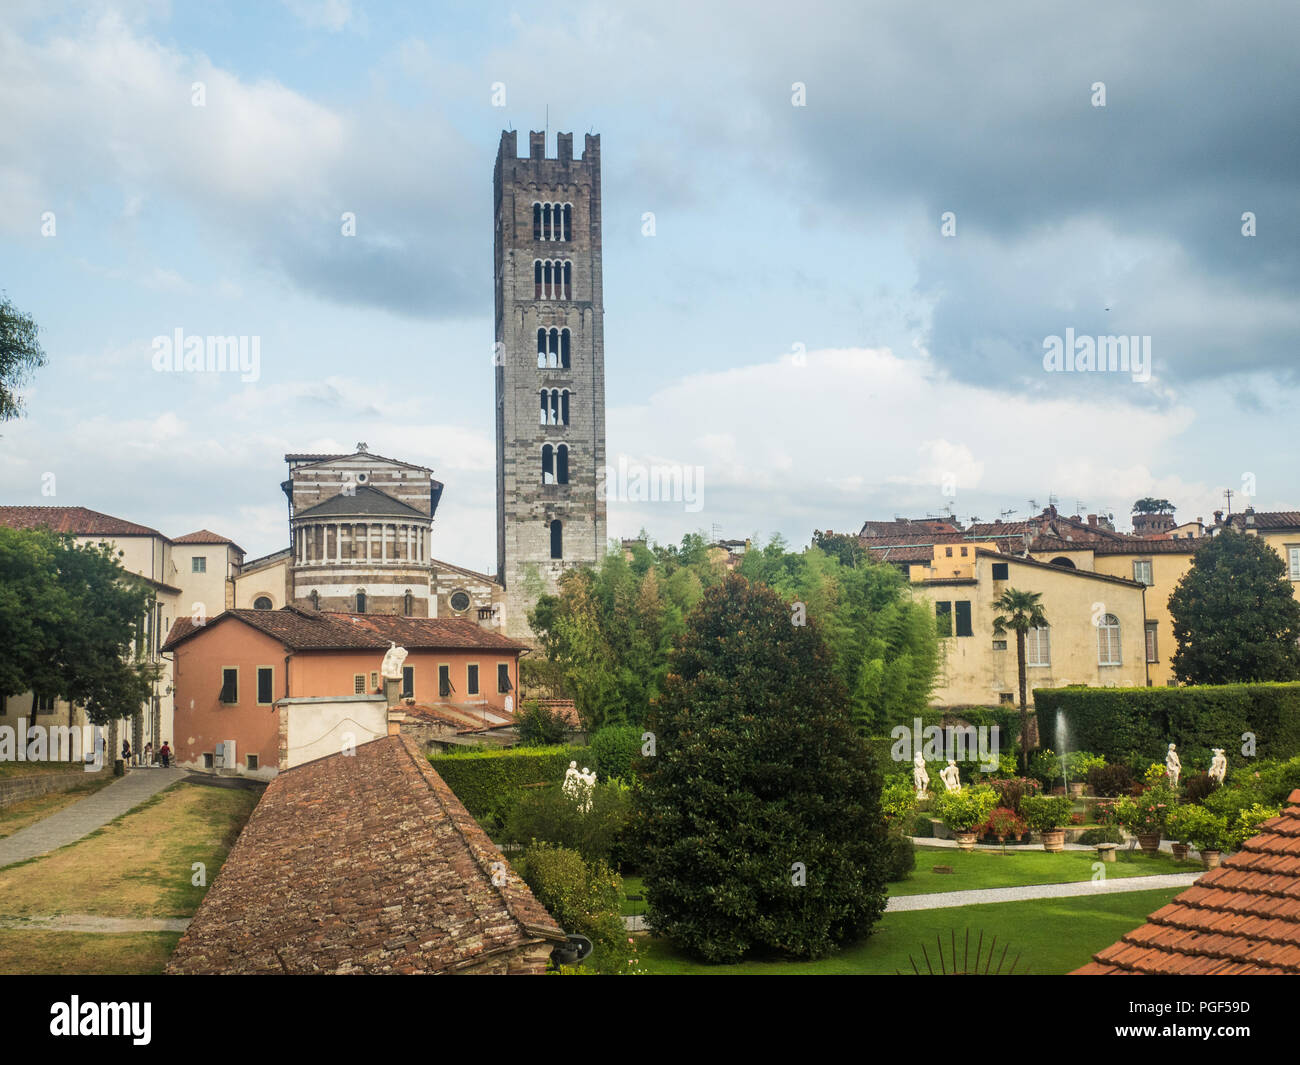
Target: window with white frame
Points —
{"points": [[1108, 641], [1038, 647], [1293, 561], [1142, 571], [1152, 652]]}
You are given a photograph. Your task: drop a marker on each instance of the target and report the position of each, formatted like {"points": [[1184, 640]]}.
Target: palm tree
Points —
{"points": [[1020, 612]]}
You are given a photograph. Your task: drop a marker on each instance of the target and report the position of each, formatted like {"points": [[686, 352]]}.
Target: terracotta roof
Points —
{"points": [[312, 460], [1150, 546], [203, 536], [363, 863], [465, 718], [306, 630], [1242, 918], [1277, 519], [77, 521]]}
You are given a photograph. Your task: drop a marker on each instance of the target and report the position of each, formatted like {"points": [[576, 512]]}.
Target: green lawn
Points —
{"points": [[1051, 936], [992, 869]]}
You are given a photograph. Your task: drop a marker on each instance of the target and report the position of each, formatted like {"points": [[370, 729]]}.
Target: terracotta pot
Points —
{"points": [[1149, 842], [965, 840], [1054, 839], [1180, 852], [1211, 859]]}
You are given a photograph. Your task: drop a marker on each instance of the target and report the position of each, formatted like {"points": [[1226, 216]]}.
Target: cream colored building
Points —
{"points": [[181, 585], [1094, 636]]}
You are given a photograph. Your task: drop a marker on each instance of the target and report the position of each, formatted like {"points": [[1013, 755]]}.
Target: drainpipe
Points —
{"points": [[1145, 658]]}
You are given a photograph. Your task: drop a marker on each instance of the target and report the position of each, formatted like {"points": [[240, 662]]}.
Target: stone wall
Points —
{"points": [[34, 785]]}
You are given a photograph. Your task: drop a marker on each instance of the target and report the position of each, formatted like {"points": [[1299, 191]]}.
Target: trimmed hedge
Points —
{"points": [[1136, 725], [490, 783]]}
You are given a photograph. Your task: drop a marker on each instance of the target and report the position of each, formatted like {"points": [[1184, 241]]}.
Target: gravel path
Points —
{"points": [[83, 817], [86, 922], [1113, 885]]}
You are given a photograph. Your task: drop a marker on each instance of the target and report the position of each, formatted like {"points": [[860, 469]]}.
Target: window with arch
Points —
{"points": [[562, 464], [408, 603], [553, 406], [1108, 650], [263, 602], [552, 279], [557, 539], [552, 221], [361, 601], [553, 349], [548, 464], [537, 221]]}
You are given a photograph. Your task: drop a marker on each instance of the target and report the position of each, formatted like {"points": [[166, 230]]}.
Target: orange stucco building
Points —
{"points": [[236, 675]]}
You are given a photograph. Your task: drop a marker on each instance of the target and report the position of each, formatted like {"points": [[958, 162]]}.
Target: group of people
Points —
{"points": [[164, 754]]}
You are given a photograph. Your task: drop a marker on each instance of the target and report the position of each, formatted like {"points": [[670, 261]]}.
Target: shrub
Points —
{"points": [[600, 834], [538, 726], [1105, 834], [1133, 723], [1195, 825], [1248, 821], [1045, 767], [761, 780], [897, 800], [900, 856], [965, 810], [1110, 780], [924, 827], [1078, 764], [1147, 812], [1045, 813], [583, 898], [1003, 823], [1155, 773], [1198, 788], [615, 752], [490, 783], [1012, 791]]}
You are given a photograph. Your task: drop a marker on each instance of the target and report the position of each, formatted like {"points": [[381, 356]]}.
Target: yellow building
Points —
{"points": [[1158, 564], [1094, 636]]}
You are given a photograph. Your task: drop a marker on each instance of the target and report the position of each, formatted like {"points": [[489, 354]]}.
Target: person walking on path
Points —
{"points": [[165, 754], [148, 754], [126, 752]]}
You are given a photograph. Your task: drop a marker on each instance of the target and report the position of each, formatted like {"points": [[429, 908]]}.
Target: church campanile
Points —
{"points": [[550, 367]]}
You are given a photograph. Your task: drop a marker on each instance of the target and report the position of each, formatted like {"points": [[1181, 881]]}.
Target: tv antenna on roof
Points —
{"points": [[1006, 513]]}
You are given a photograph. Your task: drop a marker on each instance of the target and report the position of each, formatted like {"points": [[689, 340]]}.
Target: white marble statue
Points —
{"points": [[920, 778], [1173, 767], [391, 668], [1218, 766], [579, 786], [951, 776]]}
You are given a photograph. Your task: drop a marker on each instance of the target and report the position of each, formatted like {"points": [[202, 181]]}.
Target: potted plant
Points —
{"points": [[1144, 815], [1046, 814], [1206, 831], [963, 810], [1078, 764], [1003, 822], [1177, 827]]}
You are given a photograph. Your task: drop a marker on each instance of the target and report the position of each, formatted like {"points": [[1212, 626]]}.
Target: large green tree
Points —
{"points": [[72, 624], [1235, 616], [1020, 611], [759, 816], [20, 355]]}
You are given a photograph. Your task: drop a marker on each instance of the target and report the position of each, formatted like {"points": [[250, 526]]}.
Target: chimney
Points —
{"points": [[1218, 517], [1092, 520], [392, 690]]}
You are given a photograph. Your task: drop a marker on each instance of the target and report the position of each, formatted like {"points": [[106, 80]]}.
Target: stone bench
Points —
{"points": [[1106, 851]]}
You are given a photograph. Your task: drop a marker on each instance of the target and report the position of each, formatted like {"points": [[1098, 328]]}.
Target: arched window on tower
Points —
{"points": [[541, 348], [548, 464], [543, 412], [564, 407], [553, 346], [568, 221], [547, 231], [555, 407], [568, 280], [550, 279], [562, 464], [564, 348], [537, 279], [537, 221], [557, 539], [361, 601]]}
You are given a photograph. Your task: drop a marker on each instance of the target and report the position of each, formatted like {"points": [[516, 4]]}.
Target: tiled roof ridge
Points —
{"points": [[474, 839]]}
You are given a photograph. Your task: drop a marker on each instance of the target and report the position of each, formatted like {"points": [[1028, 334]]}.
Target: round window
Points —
{"points": [[262, 603], [460, 601]]}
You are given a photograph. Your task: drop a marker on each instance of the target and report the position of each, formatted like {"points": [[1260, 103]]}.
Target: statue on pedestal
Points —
{"points": [[391, 667], [951, 776], [579, 786], [1173, 767], [1218, 766], [920, 778]]}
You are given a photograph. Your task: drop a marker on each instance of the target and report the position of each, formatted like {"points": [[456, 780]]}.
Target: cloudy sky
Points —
{"points": [[868, 221]]}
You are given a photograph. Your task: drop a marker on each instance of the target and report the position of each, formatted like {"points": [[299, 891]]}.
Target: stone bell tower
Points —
{"points": [[550, 367]]}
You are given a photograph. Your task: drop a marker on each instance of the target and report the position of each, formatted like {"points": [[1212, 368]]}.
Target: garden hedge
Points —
{"points": [[1136, 725], [490, 783]]}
